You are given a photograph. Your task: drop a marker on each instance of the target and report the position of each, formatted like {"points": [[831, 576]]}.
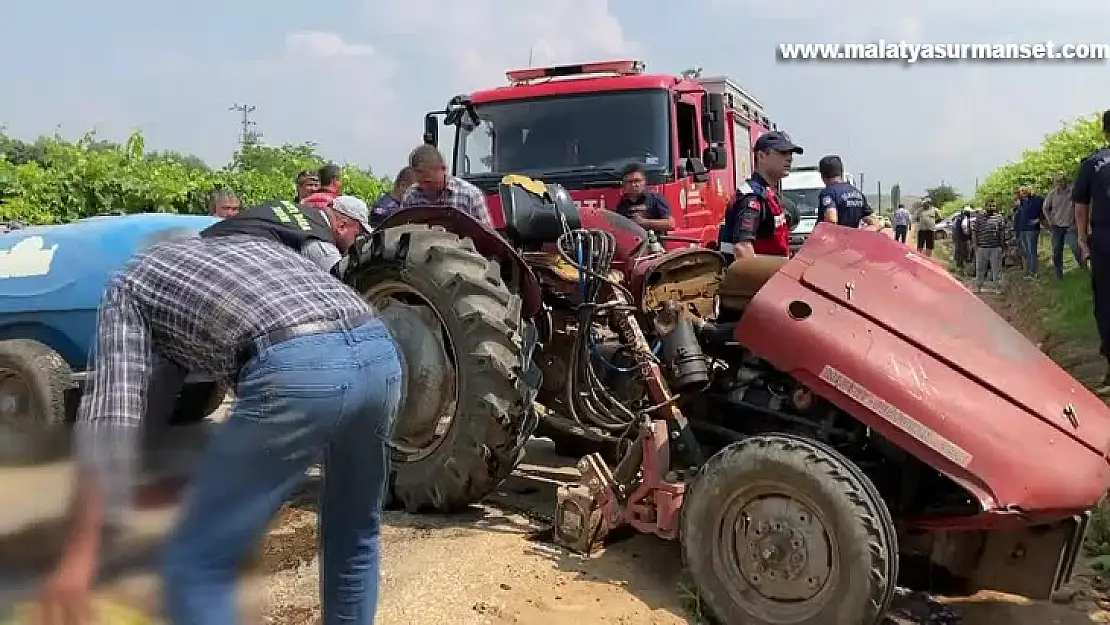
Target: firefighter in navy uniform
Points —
{"points": [[756, 222], [1091, 194], [322, 235]]}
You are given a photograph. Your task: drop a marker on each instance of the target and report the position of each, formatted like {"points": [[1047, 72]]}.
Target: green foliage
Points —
{"points": [[953, 205], [53, 180], [1060, 152], [941, 195], [895, 195]]}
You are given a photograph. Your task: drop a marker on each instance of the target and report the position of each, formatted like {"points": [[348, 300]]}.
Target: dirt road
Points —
{"points": [[479, 568]]}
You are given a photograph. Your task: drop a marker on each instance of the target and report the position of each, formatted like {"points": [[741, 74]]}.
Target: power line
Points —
{"points": [[249, 133]]}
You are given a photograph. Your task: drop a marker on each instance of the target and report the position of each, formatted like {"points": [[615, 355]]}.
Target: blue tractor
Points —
{"points": [[51, 281]]}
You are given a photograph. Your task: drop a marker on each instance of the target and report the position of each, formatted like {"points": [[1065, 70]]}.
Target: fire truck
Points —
{"points": [[579, 125]]}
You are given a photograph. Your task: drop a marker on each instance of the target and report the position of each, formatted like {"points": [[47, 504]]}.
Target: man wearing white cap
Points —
{"points": [[322, 235]]}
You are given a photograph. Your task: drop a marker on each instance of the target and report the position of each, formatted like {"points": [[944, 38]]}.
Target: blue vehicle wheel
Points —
{"points": [[34, 381]]}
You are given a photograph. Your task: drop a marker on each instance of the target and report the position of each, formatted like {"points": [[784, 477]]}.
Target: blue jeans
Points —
{"points": [[1028, 240], [1060, 236], [336, 393]]}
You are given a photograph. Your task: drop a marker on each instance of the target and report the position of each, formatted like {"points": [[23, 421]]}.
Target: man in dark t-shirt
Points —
{"points": [[1091, 194], [646, 207], [840, 201]]}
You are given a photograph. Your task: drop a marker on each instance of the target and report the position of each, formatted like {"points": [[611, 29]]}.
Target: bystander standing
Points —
{"points": [[1059, 212], [927, 219], [1027, 222], [435, 187], [390, 201], [1091, 194], [988, 237], [308, 182], [901, 221]]}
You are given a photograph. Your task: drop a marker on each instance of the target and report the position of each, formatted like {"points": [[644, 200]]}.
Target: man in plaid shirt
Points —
{"points": [[314, 371], [435, 187]]}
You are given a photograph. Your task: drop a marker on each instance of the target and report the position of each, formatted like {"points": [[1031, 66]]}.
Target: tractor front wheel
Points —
{"points": [[780, 529]]}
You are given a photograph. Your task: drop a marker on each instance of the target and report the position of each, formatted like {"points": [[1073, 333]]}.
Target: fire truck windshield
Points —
{"points": [[575, 134]]}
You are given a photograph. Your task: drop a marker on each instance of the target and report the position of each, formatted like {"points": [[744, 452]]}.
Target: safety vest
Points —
{"points": [[280, 221], [772, 237]]}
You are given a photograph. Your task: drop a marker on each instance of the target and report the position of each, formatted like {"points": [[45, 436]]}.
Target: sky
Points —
{"points": [[356, 76]]}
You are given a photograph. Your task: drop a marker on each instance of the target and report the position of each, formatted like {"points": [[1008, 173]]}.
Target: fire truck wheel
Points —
{"points": [[781, 529], [467, 408]]}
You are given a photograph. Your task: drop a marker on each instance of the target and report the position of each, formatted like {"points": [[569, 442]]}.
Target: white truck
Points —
{"points": [[802, 187]]}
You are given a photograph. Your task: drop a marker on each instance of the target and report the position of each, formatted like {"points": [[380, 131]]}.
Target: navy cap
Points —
{"points": [[778, 141]]}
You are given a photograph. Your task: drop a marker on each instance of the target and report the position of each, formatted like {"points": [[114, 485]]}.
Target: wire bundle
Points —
{"points": [[588, 398]]}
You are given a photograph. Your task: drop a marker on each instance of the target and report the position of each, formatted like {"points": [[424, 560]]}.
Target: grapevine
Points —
{"points": [[55, 181], [1060, 152]]}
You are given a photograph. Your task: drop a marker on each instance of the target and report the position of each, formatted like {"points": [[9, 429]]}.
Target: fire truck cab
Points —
{"points": [[579, 125]]}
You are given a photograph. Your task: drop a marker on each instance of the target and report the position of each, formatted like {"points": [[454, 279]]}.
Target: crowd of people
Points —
{"points": [[982, 238], [1075, 213]]}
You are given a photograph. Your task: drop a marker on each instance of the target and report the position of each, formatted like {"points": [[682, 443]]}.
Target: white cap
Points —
{"points": [[351, 206]]}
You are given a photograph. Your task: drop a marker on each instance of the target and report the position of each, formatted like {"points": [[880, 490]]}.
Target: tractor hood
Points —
{"points": [[914, 298]]}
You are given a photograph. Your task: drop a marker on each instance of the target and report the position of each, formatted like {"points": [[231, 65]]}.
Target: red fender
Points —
{"points": [[486, 240]]}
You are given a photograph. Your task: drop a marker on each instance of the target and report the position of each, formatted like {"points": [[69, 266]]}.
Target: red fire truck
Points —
{"points": [[578, 125]]}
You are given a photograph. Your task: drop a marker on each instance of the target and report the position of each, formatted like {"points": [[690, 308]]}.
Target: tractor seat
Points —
{"points": [[744, 278]]}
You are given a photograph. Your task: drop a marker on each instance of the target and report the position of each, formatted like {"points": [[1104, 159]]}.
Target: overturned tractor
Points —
{"points": [[799, 426]]}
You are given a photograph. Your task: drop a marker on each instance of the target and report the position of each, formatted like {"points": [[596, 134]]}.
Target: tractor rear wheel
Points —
{"points": [[781, 529], [467, 410]]}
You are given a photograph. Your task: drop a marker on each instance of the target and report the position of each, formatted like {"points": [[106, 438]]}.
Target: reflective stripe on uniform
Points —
{"points": [[725, 248], [288, 213]]}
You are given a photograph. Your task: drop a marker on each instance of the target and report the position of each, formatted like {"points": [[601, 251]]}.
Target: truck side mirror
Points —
{"points": [[697, 170], [714, 157], [713, 118], [431, 130]]}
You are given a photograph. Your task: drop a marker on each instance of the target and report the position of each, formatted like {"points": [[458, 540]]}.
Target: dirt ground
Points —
{"points": [[487, 566]]}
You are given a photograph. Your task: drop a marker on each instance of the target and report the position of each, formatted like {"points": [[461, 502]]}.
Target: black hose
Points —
{"points": [[591, 252]]}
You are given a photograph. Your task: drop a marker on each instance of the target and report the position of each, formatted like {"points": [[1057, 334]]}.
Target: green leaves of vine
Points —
{"points": [[53, 180]]}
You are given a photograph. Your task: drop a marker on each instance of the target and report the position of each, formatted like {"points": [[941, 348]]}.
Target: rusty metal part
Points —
{"points": [[784, 552], [579, 523], [802, 398], [687, 278], [1031, 561]]}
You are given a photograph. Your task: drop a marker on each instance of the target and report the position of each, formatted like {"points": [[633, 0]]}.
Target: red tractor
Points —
{"points": [[578, 125], [800, 425]]}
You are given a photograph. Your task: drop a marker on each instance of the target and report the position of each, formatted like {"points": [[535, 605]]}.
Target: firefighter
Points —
{"points": [[755, 222], [321, 235]]}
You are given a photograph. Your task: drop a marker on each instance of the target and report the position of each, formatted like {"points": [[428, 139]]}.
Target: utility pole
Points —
{"points": [[249, 135], [879, 210]]}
